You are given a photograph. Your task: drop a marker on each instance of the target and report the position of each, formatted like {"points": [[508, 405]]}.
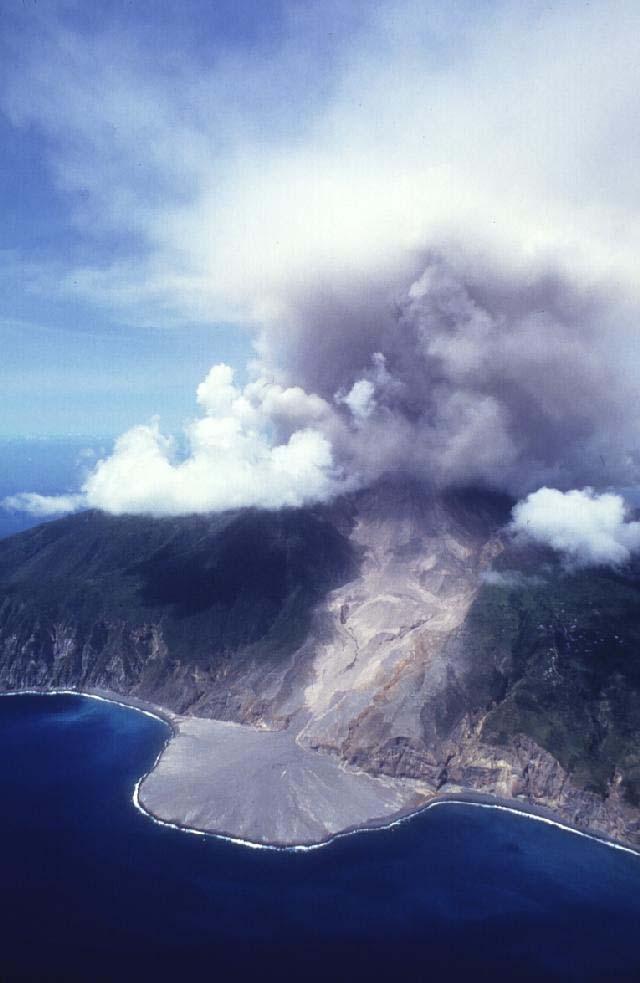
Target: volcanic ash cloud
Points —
{"points": [[469, 373]]}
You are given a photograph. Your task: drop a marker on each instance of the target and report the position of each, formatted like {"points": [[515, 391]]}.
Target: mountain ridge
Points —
{"points": [[399, 631]]}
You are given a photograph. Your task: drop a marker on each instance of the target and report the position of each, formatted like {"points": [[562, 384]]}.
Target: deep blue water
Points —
{"points": [[92, 888]]}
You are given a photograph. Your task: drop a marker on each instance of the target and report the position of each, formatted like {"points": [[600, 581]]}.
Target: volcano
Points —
{"points": [[338, 666]]}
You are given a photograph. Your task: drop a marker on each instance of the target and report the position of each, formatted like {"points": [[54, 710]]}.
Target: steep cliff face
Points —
{"points": [[400, 632], [169, 610]]}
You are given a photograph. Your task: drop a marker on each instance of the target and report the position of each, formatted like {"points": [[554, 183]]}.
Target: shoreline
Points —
{"points": [[543, 814], [104, 696]]}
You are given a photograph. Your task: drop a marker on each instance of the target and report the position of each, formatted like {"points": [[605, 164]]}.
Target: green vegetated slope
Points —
{"points": [[568, 647], [144, 599]]}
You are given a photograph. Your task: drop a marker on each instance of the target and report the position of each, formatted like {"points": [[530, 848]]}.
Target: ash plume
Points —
{"points": [[434, 240], [468, 373]]}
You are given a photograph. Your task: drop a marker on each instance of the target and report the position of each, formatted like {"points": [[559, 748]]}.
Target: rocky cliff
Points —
{"points": [[399, 632]]}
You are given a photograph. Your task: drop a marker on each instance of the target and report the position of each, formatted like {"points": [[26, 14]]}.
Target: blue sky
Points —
{"points": [[163, 167], [95, 357]]}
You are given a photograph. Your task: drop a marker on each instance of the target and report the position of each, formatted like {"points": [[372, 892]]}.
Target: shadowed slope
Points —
{"points": [[147, 605]]}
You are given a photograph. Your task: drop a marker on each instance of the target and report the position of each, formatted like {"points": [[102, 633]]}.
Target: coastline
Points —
{"points": [[468, 798], [104, 696]]}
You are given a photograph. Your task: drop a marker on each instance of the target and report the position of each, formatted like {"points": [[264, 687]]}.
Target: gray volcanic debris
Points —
{"points": [[391, 647], [261, 786]]}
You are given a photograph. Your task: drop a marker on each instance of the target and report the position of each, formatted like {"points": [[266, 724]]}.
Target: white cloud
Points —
{"points": [[587, 528], [217, 393], [252, 447], [360, 399], [43, 505], [508, 128]]}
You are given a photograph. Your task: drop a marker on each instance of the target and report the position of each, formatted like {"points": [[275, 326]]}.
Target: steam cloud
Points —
{"points": [[589, 529], [443, 278], [258, 446], [44, 506], [466, 376]]}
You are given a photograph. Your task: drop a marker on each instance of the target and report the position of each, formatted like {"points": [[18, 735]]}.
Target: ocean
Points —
{"points": [[92, 888]]}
